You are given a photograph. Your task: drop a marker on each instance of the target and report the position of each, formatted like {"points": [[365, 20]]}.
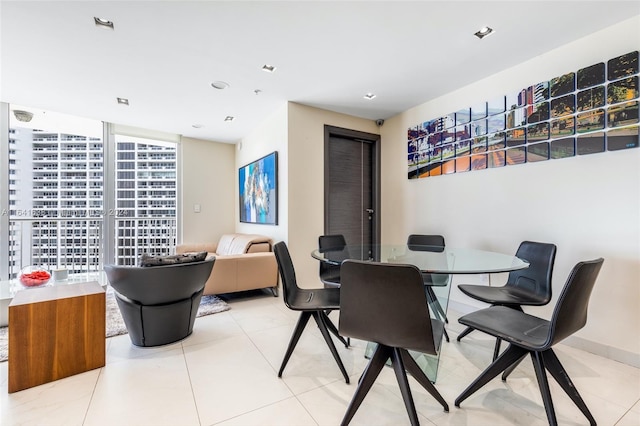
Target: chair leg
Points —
{"points": [[371, 372], [464, 333], [412, 367], [438, 312], [432, 298], [332, 328], [543, 383], [510, 369], [496, 349], [297, 332], [552, 363], [319, 316], [508, 357], [403, 382]]}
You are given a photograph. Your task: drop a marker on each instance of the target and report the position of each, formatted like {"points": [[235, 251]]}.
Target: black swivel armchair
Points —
{"points": [[535, 336], [311, 303], [525, 287], [159, 303], [386, 304], [433, 243]]}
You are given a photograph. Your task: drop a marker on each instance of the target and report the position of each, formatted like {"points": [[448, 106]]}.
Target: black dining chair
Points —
{"points": [[386, 304], [311, 303], [333, 247], [433, 243], [527, 334], [525, 287]]}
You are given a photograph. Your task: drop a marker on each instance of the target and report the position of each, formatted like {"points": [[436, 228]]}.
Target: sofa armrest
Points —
{"points": [[196, 247]]}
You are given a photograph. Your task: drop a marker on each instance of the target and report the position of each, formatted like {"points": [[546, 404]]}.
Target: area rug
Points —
{"points": [[115, 324]]}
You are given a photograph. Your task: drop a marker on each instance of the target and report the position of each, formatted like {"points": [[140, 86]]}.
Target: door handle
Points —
{"points": [[370, 211]]}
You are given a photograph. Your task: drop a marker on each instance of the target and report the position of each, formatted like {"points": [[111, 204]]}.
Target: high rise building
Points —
{"points": [[57, 199]]}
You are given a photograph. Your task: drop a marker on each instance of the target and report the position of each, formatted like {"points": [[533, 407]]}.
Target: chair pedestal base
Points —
{"points": [[400, 360], [325, 325], [542, 360]]}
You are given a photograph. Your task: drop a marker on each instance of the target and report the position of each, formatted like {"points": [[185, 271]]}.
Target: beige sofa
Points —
{"points": [[243, 262]]}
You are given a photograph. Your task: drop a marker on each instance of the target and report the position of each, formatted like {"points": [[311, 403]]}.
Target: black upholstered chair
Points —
{"points": [[433, 243], [386, 304], [333, 246], [527, 334], [159, 303], [525, 287], [311, 303]]}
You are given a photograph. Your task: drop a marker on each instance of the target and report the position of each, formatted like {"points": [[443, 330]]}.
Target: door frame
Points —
{"points": [[355, 135]]}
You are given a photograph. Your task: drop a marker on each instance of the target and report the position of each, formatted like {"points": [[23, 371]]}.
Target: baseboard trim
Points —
{"points": [[609, 352]]}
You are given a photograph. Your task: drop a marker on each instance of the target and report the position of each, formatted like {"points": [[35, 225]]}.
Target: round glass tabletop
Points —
{"points": [[430, 259]]}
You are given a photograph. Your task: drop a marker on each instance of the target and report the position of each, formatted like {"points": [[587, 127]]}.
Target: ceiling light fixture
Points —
{"points": [[24, 116], [369, 96], [483, 32], [123, 101], [103, 23], [257, 92], [228, 118], [268, 68], [220, 85]]}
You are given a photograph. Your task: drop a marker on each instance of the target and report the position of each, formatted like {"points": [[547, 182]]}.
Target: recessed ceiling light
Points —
{"points": [[197, 126], [268, 68], [483, 32], [228, 118], [103, 23], [369, 96], [257, 92], [220, 85], [123, 101]]}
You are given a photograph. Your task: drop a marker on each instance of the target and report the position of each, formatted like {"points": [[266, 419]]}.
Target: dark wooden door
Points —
{"points": [[351, 188]]}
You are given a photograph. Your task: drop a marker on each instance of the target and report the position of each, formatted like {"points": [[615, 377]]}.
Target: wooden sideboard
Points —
{"points": [[55, 332]]}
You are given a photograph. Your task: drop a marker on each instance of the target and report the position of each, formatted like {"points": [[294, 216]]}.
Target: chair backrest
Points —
{"points": [[420, 242], [433, 243], [536, 279], [385, 303], [287, 273], [570, 312], [327, 244], [154, 285]]}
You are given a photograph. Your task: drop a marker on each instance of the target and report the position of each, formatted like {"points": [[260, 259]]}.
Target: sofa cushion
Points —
{"points": [[148, 260]]}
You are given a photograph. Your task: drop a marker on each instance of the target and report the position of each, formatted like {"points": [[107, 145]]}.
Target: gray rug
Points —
{"points": [[115, 324]]}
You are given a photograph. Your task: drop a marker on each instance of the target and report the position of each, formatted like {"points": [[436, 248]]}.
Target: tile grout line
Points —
{"points": [[93, 392], [193, 394], [294, 395]]}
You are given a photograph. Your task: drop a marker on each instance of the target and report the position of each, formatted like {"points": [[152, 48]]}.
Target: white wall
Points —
{"points": [[208, 174], [297, 133], [589, 206], [269, 136], [306, 182]]}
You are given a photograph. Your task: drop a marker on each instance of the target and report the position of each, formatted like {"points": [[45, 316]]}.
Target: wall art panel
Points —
{"points": [[588, 111]]}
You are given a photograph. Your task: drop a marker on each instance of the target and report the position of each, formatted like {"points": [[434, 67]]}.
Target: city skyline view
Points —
{"points": [[57, 204]]}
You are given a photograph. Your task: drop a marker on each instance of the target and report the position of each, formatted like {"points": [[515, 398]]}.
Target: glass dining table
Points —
{"points": [[441, 263]]}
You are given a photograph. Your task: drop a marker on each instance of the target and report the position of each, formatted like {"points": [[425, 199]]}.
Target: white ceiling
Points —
{"points": [[163, 55]]}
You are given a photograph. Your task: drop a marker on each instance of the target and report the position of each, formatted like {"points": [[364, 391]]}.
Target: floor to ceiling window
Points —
{"points": [[60, 214], [146, 198]]}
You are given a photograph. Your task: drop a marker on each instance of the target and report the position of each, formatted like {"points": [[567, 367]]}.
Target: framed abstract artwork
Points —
{"points": [[258, 190]]}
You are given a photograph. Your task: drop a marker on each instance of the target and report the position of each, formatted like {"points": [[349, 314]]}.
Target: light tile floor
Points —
{"points": [[226, 374]]}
